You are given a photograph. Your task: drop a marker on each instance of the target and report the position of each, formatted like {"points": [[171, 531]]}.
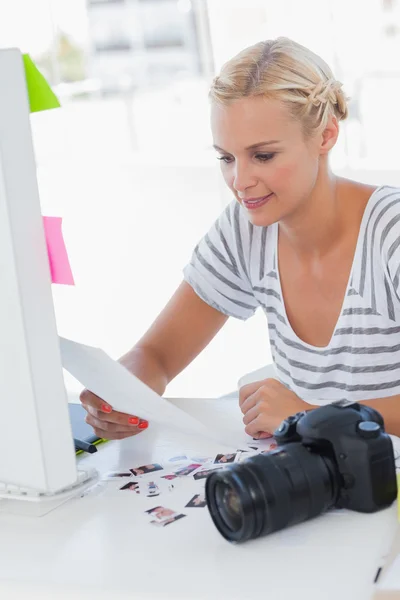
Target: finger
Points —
{"points": [[247, 390], [109, 427], [252, 414], [112, 429], [100, 423], [90, 399], [251, 401], [264, 435], [117, 418], [257, 426]]}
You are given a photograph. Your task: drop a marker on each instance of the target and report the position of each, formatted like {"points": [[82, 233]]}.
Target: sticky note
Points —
{"points": [[58, 258], [41, 96]]}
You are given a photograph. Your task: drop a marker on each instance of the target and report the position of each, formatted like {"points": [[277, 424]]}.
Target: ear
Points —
{"points": [[329, 135]]}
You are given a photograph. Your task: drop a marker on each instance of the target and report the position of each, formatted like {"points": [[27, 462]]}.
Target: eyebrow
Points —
{"points": [[253, 146]]}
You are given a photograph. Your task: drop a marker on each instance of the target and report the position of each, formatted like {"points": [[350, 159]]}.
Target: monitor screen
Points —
{"points": [[36, 446]]}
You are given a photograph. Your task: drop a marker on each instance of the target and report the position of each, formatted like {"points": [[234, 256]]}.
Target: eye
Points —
{"points": [[225, 159], [264, 157]]}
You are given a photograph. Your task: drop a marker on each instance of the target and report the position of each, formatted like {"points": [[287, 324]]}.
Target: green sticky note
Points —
{"points": [[41, 96]]}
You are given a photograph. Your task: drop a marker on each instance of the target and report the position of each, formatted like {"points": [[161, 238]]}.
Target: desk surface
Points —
{"points": [[101, 545]]}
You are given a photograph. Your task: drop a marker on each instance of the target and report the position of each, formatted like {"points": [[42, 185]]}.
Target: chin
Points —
{"points": [[261, 220]]}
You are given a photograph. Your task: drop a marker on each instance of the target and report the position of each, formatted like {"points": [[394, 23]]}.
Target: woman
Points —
{"points": [[319, 254]]}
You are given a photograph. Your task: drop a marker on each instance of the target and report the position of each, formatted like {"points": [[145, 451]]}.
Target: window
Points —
{"points": [[128, 163]]}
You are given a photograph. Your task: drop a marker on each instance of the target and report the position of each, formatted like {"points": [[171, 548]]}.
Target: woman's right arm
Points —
{"points": [[183, 329]]}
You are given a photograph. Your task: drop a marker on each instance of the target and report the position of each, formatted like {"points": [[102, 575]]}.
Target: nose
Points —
{"points": [[243, 178]]}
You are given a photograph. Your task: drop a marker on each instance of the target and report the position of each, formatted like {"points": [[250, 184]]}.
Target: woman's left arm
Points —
{"points": [[265, 404]]}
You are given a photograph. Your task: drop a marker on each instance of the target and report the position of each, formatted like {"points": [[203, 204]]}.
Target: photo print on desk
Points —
{"points": [[162, 516], [132, 486], [185, 471], [168, 521], [225, 458], [204, 472], [117, 474], [199, 500], [144, 469]]}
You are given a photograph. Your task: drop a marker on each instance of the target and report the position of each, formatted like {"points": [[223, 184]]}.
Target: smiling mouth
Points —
{"points": [[253, 203]]}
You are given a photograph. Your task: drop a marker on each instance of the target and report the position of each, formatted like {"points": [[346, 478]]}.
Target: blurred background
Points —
{"points": [[128, 161]]}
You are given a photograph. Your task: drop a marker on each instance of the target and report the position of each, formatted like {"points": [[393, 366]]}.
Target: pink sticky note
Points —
{"points": [[58, 258]]}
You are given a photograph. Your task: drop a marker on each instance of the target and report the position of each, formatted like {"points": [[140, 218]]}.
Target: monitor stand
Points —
{"points": [[26, 502]]}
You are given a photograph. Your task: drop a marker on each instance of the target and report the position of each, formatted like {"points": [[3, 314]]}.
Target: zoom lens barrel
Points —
{"points": [[270, 491]]}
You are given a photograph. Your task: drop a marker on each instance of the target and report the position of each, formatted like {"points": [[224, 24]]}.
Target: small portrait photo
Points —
{"points": [[225, 458], [133, 486], [169, 477], [161, 512], [198, 500], [165, 522], [116, 474], [144, 469], [184, 471], [203, 474]]}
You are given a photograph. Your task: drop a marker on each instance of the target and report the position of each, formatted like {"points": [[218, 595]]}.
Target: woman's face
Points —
{"points": [[265, 159]]}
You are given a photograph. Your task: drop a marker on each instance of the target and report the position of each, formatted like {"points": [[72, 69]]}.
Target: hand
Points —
{"points": [[108, 423], [265, 404]]}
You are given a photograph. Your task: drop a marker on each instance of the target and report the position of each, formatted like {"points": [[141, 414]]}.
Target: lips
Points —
{"points": [[252, 203]]}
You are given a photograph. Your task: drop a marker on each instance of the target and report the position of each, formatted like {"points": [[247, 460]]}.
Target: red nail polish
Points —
{"points": [[106, 408], [143, 425], [133, 420]]}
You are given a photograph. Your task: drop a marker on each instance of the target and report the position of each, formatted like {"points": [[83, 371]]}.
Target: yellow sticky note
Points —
{"points": [[41, 96]]}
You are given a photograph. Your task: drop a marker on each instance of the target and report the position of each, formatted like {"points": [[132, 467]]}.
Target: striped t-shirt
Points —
{"points": [[234, 268]]}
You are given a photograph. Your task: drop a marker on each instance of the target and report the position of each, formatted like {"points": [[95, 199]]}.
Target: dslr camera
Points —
{"points": [[334, 456]]}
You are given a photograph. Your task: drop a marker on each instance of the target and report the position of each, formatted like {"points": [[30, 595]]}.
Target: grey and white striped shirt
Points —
{"points": [[234, 269]]}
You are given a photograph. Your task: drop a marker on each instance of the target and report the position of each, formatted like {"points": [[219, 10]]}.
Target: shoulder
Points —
{"points": [[383, 217], [383, 205]]}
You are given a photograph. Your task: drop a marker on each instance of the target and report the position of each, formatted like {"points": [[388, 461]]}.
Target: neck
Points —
{"points": [[318, 223]]}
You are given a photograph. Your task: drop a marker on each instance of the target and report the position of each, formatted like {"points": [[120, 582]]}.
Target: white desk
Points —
{"points": [[102, 545]]}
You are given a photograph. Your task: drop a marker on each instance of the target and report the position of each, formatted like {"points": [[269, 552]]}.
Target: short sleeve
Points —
{"points": [[218, 269], [393, 269], [389, 248]]}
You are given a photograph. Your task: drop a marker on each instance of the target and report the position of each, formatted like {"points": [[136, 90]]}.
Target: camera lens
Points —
{"points": [[270, 491], [228, 504]]}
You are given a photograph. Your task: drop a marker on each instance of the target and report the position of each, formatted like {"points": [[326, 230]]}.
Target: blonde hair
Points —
{"points": [[284, 70]]}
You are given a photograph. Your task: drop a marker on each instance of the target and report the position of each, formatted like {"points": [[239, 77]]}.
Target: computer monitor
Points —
{"points": [[37, 456]]}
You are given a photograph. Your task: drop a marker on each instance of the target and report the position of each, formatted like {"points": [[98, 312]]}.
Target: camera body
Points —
{"points": [[353, 437], [336, 455]]}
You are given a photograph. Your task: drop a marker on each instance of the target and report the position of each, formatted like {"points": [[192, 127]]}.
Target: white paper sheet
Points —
{"points": [[391, 580], [112, 382]]}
